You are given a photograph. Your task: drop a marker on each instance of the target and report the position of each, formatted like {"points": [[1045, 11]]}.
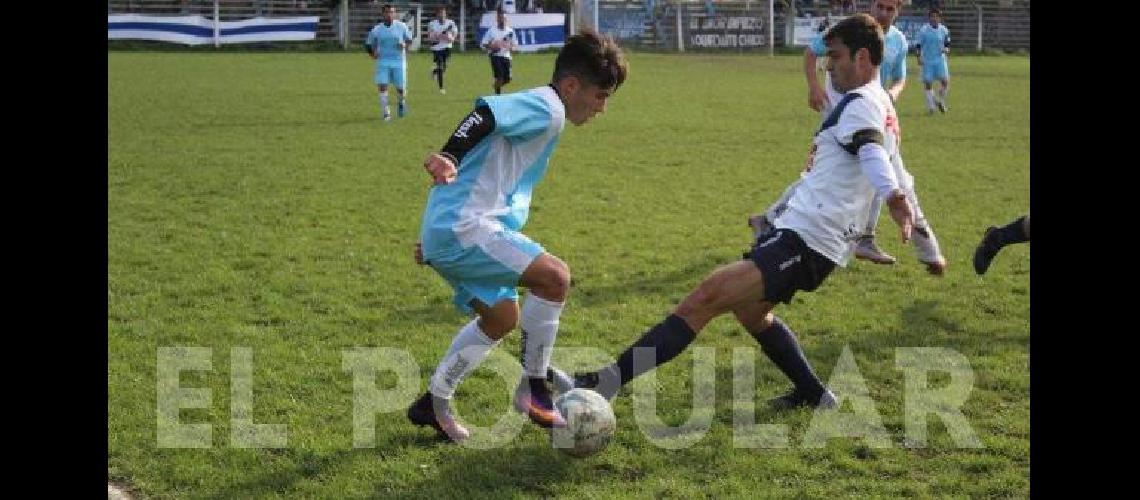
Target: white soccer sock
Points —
{"points": [[942, 93], [469, 348], [873, 215], [539, 326], [384, 102], [930, 99]]}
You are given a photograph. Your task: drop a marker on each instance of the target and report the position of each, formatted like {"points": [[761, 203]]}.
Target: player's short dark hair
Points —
{"points": [[595, 58], [386, 7], [934, 10], [857, 32]]}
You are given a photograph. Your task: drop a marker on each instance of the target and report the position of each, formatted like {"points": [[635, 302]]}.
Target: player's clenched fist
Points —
{"points": [[441, 168]]}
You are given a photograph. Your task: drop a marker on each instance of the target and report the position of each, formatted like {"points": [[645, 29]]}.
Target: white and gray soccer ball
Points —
{"points": [[590, 423]]}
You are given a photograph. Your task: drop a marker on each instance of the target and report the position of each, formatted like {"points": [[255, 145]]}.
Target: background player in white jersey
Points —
{"points": [[498, 41], [933, 41], [385, 44], [817, 231], [443, 32], [892, 76], [484, 179]]}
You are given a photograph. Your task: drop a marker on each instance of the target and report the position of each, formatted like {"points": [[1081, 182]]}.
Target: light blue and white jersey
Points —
{"points": [[496, 178], [932, 40], [386, 40], [893, 66], [894, 57]]}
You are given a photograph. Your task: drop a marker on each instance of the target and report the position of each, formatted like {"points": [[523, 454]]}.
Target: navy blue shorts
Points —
{"points": [[787, 265], [439, 57], [501, 68]]}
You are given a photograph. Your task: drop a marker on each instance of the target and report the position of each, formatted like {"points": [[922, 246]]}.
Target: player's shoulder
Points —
{"points": [[868, 101], [896, 33]]}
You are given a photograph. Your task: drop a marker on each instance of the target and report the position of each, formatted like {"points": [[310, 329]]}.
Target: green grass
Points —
{"points": [[256, 200]]}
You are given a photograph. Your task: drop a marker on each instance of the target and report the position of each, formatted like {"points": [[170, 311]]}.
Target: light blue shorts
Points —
{"points": [[390, 75], [935, 71], [489, 271]]}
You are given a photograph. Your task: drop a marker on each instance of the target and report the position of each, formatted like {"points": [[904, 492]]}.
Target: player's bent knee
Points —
{"points": [[497, 325], [704, 301], [556, 280]]}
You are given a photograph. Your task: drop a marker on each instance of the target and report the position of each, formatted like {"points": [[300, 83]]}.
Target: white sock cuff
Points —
{"points": [[539, 301]]}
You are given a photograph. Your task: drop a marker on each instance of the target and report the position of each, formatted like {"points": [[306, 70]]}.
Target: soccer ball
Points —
{"points": [[590, 423]]}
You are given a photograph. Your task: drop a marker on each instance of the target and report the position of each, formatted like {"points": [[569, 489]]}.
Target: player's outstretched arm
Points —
{"points": [[876, 165], [817, 97]]}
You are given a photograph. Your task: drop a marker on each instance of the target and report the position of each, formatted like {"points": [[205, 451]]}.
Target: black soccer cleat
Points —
{"points": [[798, 399], [559, 379], [423, 412], [606, 385], [987, 250]]}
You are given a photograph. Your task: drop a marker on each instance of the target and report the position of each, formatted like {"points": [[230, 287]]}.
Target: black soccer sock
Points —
{"points": [[439, 75], [1014, 232], [668, 338], [781, 346]]}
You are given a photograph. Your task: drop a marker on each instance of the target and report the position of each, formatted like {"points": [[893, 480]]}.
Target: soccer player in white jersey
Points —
{"points": [[484, 179], [385, 44], [443, 32], [892, 76], [826, 214], [498, 41], [933, 41]]}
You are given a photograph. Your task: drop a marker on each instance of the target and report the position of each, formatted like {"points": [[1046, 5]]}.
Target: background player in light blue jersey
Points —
{"points": [[933, 41], [484, 179], [385, 44], [892, 76], [892, 72]]}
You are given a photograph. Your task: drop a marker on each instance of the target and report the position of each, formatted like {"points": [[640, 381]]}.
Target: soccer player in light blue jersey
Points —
{"points": [[933, 42], [484, 180], [892, 72], [385, 44]]}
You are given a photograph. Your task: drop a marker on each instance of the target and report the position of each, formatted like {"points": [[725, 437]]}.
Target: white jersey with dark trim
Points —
{"points": [[436, 28], [830, 207]]}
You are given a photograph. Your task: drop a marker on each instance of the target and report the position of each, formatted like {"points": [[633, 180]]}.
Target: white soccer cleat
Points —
{"points": [[866, 249], [926, 246]]}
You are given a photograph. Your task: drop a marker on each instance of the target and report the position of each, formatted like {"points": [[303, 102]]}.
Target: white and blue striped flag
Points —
{"points": [[199, 30]]}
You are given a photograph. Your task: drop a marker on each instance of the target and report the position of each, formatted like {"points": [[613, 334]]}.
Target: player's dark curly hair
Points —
{"points": [[857, 32], [591, 57]]}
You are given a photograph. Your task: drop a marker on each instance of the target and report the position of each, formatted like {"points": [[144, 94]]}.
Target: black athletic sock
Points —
{"points": [[668, 339], [780, 345]]}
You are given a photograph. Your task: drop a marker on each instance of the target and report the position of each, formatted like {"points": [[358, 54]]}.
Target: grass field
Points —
{"points": [[257, 201]]}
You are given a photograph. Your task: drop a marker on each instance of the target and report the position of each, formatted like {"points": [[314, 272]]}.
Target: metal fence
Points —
{"points": [[670, 25]]}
